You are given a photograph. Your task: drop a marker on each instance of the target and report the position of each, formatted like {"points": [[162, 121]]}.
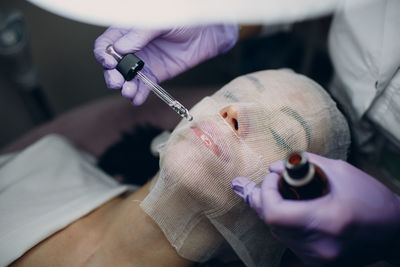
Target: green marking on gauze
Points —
{"points": [[292, 113], [230, 96], [280, 141], [259, 86]]}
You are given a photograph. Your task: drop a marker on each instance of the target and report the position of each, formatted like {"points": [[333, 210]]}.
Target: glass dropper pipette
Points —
{"points": [[130, 66]]}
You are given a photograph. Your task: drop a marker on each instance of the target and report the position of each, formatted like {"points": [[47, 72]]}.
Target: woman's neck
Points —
{"points": [[135, 238]]}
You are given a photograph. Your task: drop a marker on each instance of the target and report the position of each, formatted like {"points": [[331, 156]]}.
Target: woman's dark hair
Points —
{"points": [[130, 158]]}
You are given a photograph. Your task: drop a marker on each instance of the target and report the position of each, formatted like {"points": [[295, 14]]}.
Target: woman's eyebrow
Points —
{"points": [[258, 85]]}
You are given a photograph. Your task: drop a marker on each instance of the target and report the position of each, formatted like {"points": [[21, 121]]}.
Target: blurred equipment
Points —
{"points": [[16, 64], [158, 13]]}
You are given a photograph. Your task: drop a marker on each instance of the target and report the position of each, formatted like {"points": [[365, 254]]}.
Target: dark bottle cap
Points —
{"points": [[129, 65], [297, 165]]}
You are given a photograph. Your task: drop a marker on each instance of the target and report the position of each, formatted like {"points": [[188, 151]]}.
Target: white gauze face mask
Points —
{"points": [[251, 122]]}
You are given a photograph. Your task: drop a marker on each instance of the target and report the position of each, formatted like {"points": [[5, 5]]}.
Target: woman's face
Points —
{"points": [[249, 123]]}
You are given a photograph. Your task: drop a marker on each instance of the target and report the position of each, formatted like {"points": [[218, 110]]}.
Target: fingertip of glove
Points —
{"points": [[140, 97], [114, 79], [238, 184], [277, 166], [129, 89], [249, 192], [104, 59], [137, 101], [243, 187]]}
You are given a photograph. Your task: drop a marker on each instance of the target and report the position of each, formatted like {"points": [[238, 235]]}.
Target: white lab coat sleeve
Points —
{"points": [[385, 111], [364, 41]]}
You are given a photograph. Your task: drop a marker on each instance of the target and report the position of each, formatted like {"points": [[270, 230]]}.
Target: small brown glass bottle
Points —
{"points": [[301, 179]]}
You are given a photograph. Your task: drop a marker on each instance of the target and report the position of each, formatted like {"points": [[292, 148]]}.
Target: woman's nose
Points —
{"points": [[230, 115]]}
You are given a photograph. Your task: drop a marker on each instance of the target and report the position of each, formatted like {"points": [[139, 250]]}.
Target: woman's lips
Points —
{"points": [[207, 141]]}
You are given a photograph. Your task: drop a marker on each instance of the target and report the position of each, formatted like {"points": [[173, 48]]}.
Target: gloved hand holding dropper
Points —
{"points": [[166, 53]]}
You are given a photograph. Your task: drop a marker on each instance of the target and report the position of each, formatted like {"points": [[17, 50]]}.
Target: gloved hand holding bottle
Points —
{"points": [[357, 222], [165, 52]]}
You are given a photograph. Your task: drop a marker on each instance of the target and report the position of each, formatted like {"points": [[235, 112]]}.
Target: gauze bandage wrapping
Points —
{"points": [[276, 112]]}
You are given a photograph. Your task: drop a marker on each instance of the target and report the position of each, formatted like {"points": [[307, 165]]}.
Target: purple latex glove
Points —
{"points": [[165, 52], [357, 222]]}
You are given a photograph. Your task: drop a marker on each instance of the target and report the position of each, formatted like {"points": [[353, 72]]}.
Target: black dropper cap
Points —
{"points": [[129, 65]]}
